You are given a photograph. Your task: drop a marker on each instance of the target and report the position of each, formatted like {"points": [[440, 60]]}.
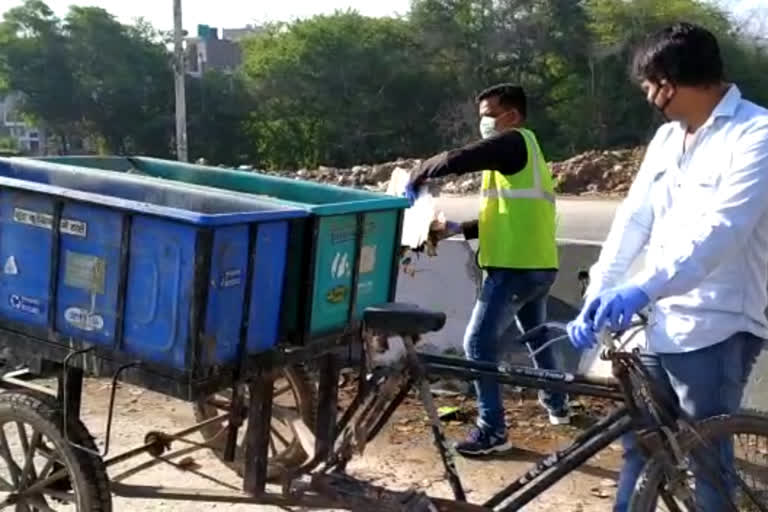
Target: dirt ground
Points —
{"points": [[400, 457]]}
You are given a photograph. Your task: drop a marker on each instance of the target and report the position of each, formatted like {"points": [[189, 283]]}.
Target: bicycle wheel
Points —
{"points": [[664, 487], [33, 448], [294, 395]]}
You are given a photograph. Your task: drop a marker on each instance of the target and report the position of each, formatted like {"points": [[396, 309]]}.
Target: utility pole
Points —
{"points": [[179, 75]]}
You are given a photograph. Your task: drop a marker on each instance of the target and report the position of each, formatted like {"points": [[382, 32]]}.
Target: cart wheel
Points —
{"points": [[294, 396], [33, 448]]}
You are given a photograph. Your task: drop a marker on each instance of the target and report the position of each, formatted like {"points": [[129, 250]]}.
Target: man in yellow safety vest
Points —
{"points": [[517, 248]]}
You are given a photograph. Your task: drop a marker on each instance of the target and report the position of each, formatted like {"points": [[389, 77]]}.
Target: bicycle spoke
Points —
{"points": [[669, 501], [29, 461], [713, 473], [281, 391], [22, 507], [48, 468], [279, 437], [39, 504], [272, 447], [748, 491], [5, 453], [60, 495], [672, 504], [22, 436]]}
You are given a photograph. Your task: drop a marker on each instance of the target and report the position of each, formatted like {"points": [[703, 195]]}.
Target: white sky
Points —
{"points": [[238, 13], [224, 13]]}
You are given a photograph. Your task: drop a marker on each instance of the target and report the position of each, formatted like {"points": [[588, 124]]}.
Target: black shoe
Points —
{"points": [[480, 442]]}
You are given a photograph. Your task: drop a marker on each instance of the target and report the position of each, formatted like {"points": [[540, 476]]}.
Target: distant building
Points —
{"points": [[207, 52], [238, 34], [26, 138]]}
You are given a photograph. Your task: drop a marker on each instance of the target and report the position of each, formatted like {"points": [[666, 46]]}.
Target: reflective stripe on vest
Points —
{"points": [[537, 192], [507, 193]]}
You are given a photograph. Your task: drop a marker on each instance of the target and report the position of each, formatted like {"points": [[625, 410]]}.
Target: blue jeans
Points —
{"points": [[506, 293], [705, 383]]}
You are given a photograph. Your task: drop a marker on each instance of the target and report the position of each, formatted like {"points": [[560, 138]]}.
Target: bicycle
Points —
{"points": [[676, 447]]}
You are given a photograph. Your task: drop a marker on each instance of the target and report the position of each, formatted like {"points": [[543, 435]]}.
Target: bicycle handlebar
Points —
{"points": [[542, 330]]}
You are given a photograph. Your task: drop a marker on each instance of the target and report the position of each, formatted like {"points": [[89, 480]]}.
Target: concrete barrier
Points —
{"points": [[450, 281]]}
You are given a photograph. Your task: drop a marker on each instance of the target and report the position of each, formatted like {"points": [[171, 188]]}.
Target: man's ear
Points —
{"points": [[667, 91], [509, 119], [515, 118]]}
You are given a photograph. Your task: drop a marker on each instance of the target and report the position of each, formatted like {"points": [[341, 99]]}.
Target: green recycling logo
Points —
{"points": [[341, 266]]}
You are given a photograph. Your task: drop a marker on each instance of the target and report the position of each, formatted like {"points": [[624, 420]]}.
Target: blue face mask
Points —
{"points": [[488, 127]]}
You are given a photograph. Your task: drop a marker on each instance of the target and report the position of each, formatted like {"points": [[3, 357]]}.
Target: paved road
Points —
{"points": [[579, 219]]}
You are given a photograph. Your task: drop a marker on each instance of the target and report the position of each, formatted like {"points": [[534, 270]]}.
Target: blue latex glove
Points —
{"points": [[618, 306], [411, 192], [581, 331]]}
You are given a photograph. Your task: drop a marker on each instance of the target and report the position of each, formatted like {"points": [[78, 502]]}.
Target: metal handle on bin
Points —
{"points": [[110, 412]]}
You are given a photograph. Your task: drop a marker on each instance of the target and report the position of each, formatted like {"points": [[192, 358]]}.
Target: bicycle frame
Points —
{"points": [[553, 467], [390, 393]]}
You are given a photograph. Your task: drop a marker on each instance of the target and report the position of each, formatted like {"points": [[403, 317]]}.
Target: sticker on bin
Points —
{"points": [[84, 319], [337, 294], [364, 288], [25, 304], [367, 259], [85, 271], [231, 278], [45, 221], [74, 227], [10, 268]]}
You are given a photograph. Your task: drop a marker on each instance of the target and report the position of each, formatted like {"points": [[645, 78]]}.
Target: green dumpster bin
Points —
{"points": [[341, 259]]}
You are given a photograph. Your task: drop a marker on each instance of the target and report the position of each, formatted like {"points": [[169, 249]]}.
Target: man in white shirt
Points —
{"points": [[700, 205]]}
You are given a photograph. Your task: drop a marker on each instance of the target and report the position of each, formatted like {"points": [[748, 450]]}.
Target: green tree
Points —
{"points": [[124, 79], [536, 43], [619, 114], [35, 60], [89, 75], [346, 89], [619, 26], [342, 89], [219, 107]]}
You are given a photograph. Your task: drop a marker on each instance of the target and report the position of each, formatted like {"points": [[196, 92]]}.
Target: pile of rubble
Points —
{"points": [[372, 177], [593, 172], [598, 172]]}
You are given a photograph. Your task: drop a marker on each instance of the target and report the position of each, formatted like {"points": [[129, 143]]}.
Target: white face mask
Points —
{"points": [[488, 127]]}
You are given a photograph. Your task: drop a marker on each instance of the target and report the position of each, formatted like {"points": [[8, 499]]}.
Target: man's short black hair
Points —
{"points": [[682, 54], [510, 96]]}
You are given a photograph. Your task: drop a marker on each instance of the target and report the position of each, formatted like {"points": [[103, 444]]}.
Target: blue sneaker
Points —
{"points": [[480, 442]]}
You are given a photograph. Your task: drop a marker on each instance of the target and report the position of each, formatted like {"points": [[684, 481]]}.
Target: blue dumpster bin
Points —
{"points": [[341, 259], [185, 279]]}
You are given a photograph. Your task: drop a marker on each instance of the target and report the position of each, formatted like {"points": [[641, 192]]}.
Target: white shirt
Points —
{"points": [[703, 214]]}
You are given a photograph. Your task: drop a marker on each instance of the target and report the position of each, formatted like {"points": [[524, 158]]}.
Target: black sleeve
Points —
{"points": [[505, 153], [471, 229]]}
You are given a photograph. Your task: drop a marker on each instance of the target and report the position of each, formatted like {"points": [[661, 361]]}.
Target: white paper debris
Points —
{"points": [[419, 217]]}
